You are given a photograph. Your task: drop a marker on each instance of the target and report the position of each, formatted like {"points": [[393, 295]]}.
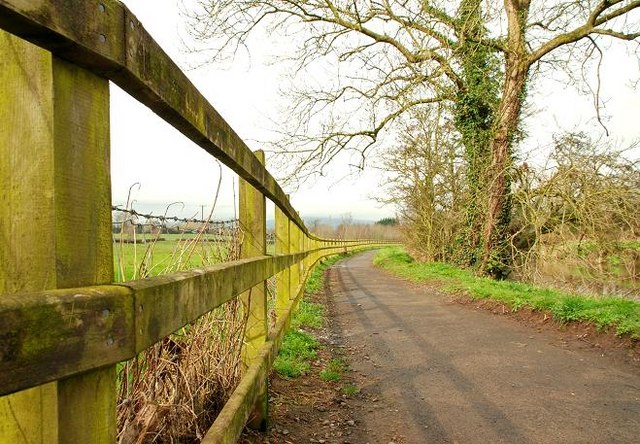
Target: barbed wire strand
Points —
{"points": [[163, 219]]}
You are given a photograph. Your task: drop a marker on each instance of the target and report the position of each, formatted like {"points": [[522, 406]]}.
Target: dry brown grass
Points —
{"points": [[172, 392]]}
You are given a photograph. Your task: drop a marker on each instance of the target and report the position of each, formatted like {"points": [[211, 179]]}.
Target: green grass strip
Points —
{"points": [[621, 314], [333, 371], [309, 314], [298, 346]]}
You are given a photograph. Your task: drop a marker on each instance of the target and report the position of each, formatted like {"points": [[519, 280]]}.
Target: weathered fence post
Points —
{"points": [[304, 246], [31, 415], [282, 247], [301, 271], [294, 247], [316, 254], [304, 264], [252, 211], [56, 230]]}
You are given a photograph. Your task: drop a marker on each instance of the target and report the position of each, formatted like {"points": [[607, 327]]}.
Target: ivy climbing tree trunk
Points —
{"points": [[495, 251], [474, 117]]}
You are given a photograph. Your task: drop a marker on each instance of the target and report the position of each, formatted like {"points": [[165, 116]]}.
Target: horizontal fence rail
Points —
{"points": [[59, 333], [64, 324]]}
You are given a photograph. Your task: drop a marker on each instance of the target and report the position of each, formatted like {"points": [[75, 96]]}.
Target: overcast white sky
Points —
{"points": [[170, 168]]}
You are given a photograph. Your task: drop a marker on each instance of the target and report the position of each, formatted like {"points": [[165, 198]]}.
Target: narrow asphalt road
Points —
{"points": [[434, 371]]}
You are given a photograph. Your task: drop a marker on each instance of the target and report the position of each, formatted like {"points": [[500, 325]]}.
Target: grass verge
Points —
{"points": [[350, 389], [299, 347], [316, 278], [622, 315]]}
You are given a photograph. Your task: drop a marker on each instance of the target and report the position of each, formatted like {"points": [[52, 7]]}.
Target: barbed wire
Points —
{"points": [[163, 219], [231, 224]]}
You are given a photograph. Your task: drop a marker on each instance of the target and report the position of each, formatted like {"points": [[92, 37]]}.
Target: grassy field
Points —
{"points": [[620, 314], [176, 252], [133, 261]]}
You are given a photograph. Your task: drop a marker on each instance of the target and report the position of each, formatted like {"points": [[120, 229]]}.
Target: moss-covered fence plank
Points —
{"points": [[58, 333], [253, 226], [294, 271], [84, 256], [26, 253], [57, 195]]}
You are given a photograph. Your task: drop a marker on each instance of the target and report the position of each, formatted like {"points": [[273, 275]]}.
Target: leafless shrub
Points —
{"points": [[576, 218], [172, 392], [428, 187]]}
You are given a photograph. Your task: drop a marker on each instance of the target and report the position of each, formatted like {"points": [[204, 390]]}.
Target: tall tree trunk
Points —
{"points": [[495, 252], [496, 257], [474, 117]]}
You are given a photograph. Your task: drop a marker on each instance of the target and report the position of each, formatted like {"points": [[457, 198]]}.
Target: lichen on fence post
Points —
{"points": [[282, 247], [294, 247], [30, 415], [87, 402], [317, 253], [304, 264], [252, 212], [55, 178]]}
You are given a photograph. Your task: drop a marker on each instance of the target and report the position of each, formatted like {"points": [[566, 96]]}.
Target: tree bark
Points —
{"points": [[495, 258], [498, 211]]}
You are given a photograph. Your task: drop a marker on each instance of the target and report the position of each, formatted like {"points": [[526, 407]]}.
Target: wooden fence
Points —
{"points": [[64, 325]]}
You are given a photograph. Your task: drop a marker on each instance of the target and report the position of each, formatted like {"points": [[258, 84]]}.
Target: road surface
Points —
{"points": [[434, 371]]}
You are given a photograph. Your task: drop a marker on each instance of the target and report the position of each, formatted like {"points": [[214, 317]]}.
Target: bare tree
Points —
{"points": [[533, 37], [429, 187], [576, 216], [357, 66], [389, 57]]}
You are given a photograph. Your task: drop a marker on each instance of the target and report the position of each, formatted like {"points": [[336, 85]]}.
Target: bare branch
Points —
{"points": [[603, 13]]}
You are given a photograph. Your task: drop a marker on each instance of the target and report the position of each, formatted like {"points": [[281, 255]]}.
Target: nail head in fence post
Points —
{"points": [[252, 212], [55, 151]]}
